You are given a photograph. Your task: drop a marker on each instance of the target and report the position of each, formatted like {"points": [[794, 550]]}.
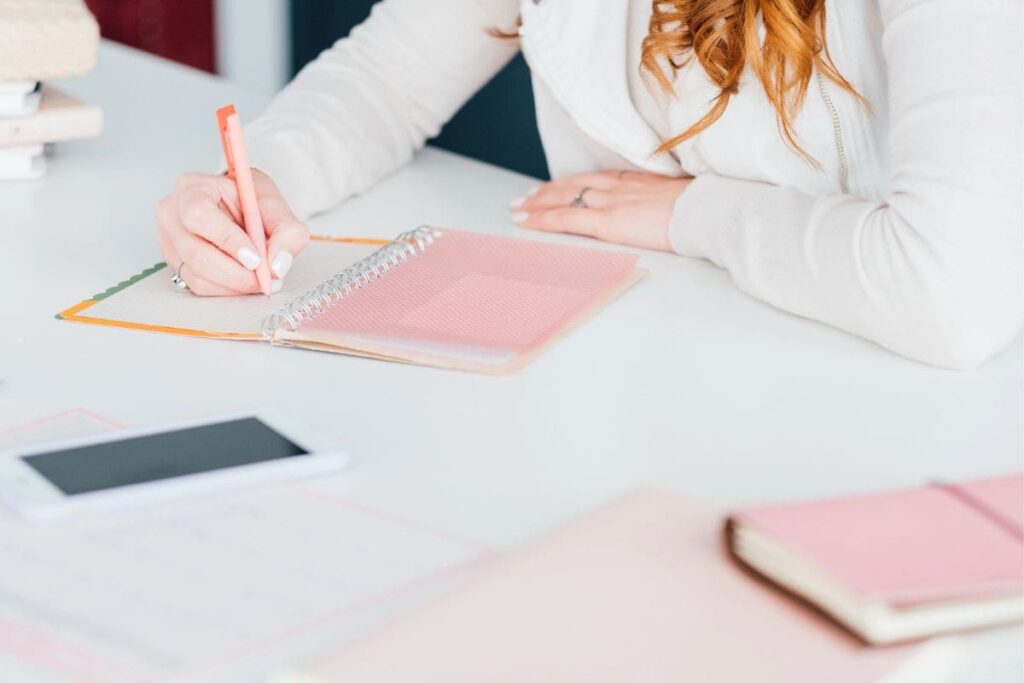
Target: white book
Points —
{"points": [[25, 162], [19, 98]]}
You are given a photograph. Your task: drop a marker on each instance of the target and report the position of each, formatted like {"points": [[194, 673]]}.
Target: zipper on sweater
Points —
{"points": [[837, 133]]}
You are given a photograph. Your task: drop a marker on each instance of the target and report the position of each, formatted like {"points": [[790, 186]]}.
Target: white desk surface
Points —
{"points": [[684, 382]]}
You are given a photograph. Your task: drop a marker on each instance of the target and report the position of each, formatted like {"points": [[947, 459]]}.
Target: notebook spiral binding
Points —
{"points": [[392, 255]]}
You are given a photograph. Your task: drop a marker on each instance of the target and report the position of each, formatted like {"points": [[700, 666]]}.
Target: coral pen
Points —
{"points": [[238, 170]]}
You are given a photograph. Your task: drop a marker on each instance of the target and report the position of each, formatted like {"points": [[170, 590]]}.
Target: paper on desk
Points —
{"points": [[219, 588], [69, 424], [148, 301]]}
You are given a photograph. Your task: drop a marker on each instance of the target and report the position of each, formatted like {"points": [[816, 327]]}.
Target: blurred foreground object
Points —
{"points": [[898, 565], [42, 40], [639, 590]]}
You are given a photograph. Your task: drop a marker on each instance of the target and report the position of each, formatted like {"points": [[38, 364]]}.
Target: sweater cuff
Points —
{"points": [[278, 159], [273, 160], [708, 213]]}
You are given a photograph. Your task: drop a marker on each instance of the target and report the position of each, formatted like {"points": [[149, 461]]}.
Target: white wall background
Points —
{"points": [[253, 42]]}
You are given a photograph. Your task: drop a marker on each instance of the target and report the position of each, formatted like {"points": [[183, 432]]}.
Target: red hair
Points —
{"points": [[723, 37]]}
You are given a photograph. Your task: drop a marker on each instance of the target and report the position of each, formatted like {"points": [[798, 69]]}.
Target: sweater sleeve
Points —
{"points": [[364, 106], [934, 270]]}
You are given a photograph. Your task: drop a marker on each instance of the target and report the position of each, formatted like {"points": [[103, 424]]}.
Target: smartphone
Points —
{"points": [[140, 466]]}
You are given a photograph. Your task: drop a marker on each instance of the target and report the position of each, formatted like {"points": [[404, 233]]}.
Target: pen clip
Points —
{"points": [[223, 114]]}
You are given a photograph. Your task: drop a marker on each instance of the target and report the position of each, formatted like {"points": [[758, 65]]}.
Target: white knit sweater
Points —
{"points": [[911, 234]]}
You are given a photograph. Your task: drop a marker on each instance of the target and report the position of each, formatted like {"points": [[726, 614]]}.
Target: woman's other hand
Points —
{"points": [[200, 225], [626, 207]]}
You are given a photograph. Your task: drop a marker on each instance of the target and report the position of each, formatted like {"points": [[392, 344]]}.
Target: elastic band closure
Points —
{"points": [[984, 509]]}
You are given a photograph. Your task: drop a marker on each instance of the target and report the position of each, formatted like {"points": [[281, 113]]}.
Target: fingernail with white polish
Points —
{"points": [[520, 217], [282, 264], [533, 190], [516, 203], [248, 258], [276, 286]]}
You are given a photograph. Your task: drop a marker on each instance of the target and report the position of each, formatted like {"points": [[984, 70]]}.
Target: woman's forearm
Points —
{"points": [[364, 106], [933, 270]]}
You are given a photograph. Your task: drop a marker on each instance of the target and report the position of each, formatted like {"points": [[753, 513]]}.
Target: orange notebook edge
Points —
{"points": [[74, 313]]}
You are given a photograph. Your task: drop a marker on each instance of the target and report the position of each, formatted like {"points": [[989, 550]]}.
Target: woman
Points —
{"points": [[853, 162]]}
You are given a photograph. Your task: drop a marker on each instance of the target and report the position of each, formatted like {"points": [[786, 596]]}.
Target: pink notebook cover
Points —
{"points": [[640, 590], [479, 291], [906, 547]]}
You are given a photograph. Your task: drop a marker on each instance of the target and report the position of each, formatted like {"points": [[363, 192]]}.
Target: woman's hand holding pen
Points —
{"points": [[200, 226]]}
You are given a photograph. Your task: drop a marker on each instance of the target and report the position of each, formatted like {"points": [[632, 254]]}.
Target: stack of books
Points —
{"points": [[42, 41]]}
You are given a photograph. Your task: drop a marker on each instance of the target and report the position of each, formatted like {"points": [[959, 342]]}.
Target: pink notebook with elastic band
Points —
{"points": [[446, 298], [897, 565]]}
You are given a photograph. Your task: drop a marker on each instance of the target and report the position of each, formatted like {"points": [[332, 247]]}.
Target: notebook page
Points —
{"points": [[477, 291], [201, 589], [472, 354], [154, 301]]}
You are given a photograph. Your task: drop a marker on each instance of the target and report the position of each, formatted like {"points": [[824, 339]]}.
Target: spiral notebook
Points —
{"points": [[445, 298]]}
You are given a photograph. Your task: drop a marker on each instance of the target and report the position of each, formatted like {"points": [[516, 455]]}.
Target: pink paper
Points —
{"points": [[483, 291], [641, 590]]}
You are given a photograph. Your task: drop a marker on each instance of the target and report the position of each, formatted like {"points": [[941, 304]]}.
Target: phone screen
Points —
{"points": [[141, 459]]}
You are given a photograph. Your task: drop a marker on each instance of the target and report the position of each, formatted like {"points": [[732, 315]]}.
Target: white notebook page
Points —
{"points": [[154, 301], [216, 588]]}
